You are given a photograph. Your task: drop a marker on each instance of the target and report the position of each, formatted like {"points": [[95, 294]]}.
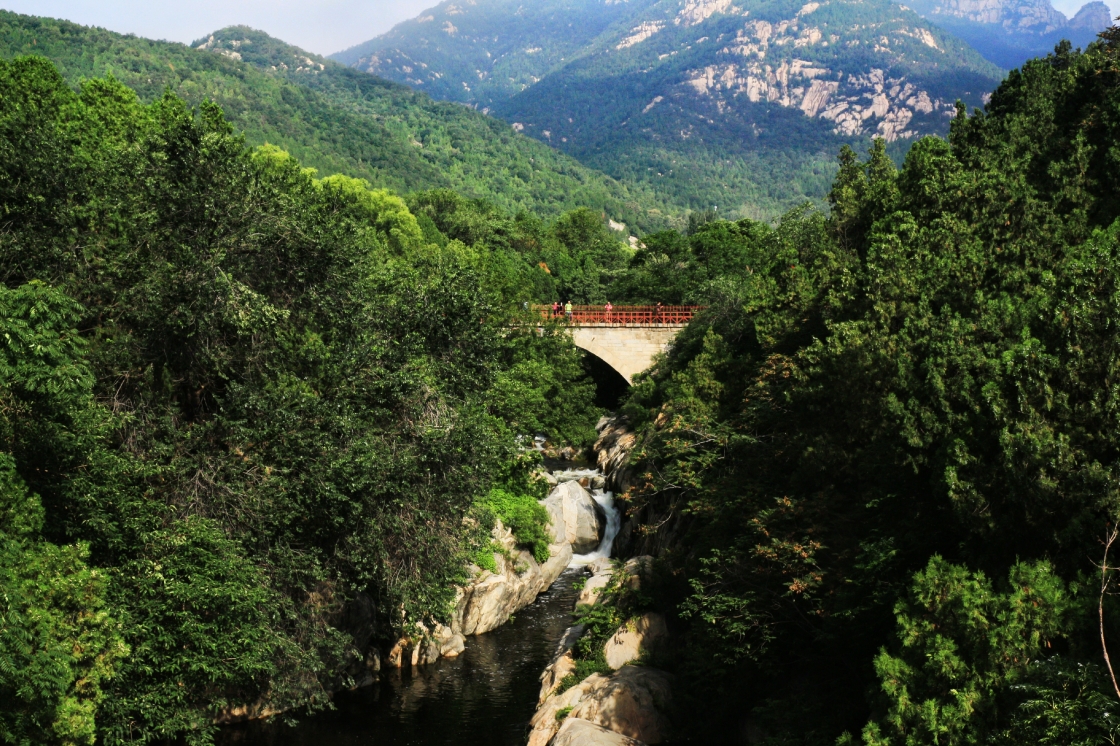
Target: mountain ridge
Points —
{"points": [[738, 104], [1009, 32], [338, 120]]}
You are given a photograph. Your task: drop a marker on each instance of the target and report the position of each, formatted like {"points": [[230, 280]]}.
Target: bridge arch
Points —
{"points": [[627, 349], [627, 338]]}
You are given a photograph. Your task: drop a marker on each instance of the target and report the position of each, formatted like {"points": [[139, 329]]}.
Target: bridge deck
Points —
{"points": [[622, 316]]}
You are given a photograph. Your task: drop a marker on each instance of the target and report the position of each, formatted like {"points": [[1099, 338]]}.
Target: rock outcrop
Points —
{"points": [[630, 702], [578, 732], [487, 602], [601, 573], [576, 518], [635, 638], [612, 452], [491, 598], [562, 663], [624, 707]]}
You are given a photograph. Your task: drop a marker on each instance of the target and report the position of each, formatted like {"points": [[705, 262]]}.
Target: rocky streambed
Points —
{"points": [[478, 679]]}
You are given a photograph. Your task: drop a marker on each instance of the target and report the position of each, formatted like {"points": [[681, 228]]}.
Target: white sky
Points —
{"points": [[322, 26]]}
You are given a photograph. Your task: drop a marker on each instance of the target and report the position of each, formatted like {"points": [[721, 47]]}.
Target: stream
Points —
{"points": [[484, 697]]}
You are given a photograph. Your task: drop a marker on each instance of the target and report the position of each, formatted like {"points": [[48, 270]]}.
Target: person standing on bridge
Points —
{"points": [[555, 309], [657, 313], [568, 311], [608, 308]]}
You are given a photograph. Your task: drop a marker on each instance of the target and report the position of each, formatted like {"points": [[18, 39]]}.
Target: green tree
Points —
{"points": [[963, 646]]}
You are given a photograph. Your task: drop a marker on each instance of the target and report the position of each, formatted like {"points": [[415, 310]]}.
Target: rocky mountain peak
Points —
{"points": [[1094, 16], [1037, 16]]}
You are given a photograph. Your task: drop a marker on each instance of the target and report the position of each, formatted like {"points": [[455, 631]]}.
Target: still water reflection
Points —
{"points": [[485, 696]]}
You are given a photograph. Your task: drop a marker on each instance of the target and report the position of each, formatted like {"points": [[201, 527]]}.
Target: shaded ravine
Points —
{"points": [[485, 696]]}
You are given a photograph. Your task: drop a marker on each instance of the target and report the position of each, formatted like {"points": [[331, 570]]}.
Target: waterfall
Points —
{"points": [[605, 498]]}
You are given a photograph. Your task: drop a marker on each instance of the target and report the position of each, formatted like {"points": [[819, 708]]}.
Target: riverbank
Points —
{"points": [[480, 674], [483, 697], [598, 689]]}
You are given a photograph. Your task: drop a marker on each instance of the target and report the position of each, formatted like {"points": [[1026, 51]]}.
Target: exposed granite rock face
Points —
{"points": [[612, 452], [1036, 15], [491, 598], [602, 572], [578, 732], [1009, 32], [1094, 16], [486, 603], [634, 638], [576, 518], [562, 663], [629, 702]]}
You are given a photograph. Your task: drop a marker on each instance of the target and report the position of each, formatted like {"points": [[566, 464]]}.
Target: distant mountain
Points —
{"points": [[337, 119], [740, 104], [1009, 32], [483, 53]]}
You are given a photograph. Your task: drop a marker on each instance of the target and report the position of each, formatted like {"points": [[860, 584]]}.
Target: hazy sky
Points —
{"points": [[323, 26]]}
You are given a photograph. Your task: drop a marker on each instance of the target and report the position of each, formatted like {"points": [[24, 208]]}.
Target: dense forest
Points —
{"points": [[233, 397], [878, 471], [883, 464], [339, 120]]}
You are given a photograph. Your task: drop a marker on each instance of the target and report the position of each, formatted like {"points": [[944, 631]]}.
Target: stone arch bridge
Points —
{"points": [[625, 337]]}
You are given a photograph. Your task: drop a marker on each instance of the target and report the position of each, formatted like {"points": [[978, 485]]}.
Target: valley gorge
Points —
{"points": [[305, 436]]}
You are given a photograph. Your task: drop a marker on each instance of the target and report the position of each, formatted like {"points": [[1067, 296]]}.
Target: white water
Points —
{"points": [[605, 498]]}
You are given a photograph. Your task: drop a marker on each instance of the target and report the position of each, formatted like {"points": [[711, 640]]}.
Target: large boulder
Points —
{"points": [[635, 637], [630, 701], [595, 585], [576, 517], [491, 598], [578, 732]]}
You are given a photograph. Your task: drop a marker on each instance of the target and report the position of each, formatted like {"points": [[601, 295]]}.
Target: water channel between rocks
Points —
{"points": [[486, 696]]}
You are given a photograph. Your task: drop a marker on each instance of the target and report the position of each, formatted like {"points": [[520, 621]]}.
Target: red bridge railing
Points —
{"points": [[621, 315]]}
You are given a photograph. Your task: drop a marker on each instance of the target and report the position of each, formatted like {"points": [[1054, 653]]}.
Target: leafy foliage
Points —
{"points": [[59, 643], [251, 399], [963, 645], [923, 373], [526, 519], [335, 119]]}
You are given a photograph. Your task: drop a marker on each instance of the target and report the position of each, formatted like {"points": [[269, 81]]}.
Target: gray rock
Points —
{"points": [[577, 515]]}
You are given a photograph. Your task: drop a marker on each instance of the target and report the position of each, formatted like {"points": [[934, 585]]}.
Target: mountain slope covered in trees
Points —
{"points": [[238, 401], [738, 105], [880, 471], [337, 120]]}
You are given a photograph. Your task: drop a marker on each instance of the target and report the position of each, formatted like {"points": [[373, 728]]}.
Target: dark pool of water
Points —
{"points": [[485, 696]]}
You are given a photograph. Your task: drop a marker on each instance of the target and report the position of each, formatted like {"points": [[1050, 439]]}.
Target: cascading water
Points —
{"points": [[484, 697], [605, 499]]}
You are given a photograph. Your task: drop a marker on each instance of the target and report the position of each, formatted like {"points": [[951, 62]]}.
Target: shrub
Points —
{"points": [[524, 517]]}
